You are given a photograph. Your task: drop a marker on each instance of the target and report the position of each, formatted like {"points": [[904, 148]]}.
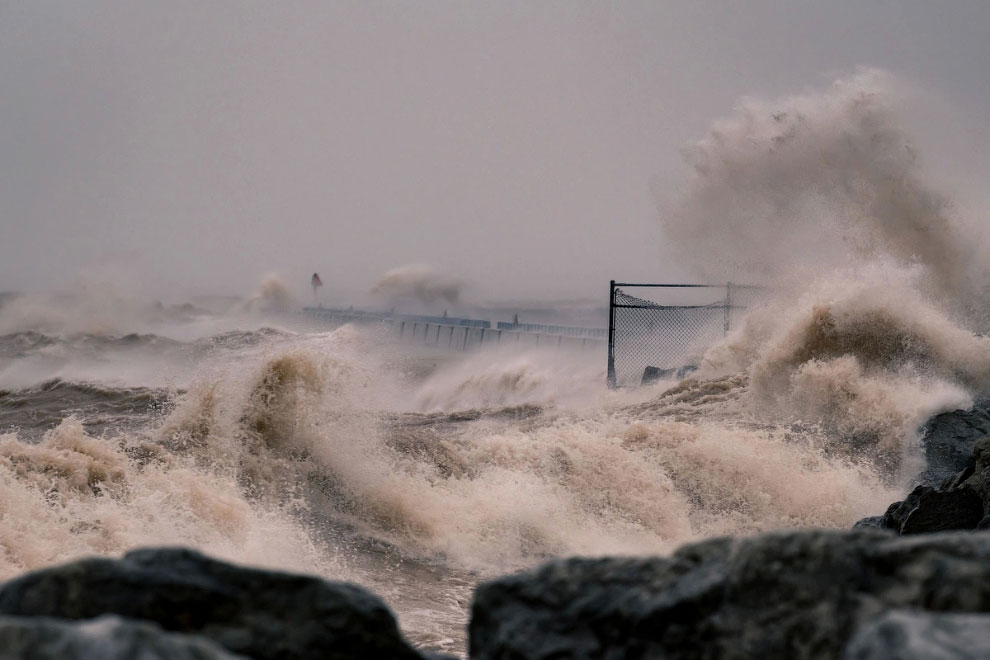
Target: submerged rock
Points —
{"points": [[783, 595], [653, 374], [907, 635], [259, 613], [107, 638], [870, 522]]}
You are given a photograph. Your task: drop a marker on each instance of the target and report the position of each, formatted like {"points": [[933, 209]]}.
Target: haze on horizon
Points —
{"points": [[525, 148]]}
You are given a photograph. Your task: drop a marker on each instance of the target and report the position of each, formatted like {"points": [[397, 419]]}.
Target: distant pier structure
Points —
{"points": [[454, 333]]}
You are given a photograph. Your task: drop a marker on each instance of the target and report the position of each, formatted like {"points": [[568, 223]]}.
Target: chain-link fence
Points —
{"points": [[663, 331]]}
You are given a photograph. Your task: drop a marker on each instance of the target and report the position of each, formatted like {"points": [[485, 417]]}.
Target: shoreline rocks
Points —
{"points": [[783, 595], [909, 635], [949, 440], [953, 490], [960, 502], [798, 594], [107, 638], [248, 611]]}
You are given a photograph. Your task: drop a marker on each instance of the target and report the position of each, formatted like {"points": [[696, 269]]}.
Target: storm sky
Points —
{"points": [[192, 147]]}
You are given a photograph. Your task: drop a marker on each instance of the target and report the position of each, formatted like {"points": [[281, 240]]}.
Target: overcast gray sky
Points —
{"points": [[194, 146]]}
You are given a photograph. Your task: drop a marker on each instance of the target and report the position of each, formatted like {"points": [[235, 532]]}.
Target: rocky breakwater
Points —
{"points": [[954, 488], [816, 594], [858, 594], [961, 501], [949, 439], [177, 603]]}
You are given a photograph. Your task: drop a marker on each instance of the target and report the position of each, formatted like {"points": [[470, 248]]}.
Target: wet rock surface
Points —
{"points": [[813, 594], [254, 612], [793, 595], [949, 440], [909, 635], [107, 638], [926, 509], [954, 490], [961, 501]]}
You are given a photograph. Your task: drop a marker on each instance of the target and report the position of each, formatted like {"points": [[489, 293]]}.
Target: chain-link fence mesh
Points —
{"points": [[650, 340]]}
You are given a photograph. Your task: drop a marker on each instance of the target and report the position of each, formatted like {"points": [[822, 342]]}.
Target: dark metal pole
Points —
{"points": [[728, 307], [611, 335]]}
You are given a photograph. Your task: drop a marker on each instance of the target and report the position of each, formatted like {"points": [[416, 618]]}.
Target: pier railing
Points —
{"points": [[565, 330], [464, 334], [348, 315]]}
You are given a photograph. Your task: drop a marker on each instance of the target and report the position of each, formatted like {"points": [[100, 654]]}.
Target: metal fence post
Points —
{"points": [[728, 307], [611, 335]]}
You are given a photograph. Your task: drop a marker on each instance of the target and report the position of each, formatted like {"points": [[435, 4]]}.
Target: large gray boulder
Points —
{"points": [[106, 638], [961, 500], [783, 595], [909, 635], [949, 439], [259, 613], [927, 510]]}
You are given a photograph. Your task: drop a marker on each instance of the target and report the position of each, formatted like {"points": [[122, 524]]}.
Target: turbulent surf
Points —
{"points": [[247, 431]]}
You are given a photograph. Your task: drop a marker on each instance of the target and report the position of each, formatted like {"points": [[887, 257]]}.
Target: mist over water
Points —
{"points": [[246, 431], [418, 284], [792, 190], [878, 284]]}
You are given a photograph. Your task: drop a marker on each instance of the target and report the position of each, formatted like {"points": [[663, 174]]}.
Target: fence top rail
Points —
{"points": [[677, 308], [686, 286]]}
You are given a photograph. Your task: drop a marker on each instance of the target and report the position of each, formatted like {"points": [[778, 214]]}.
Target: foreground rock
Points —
{"points": [[785, 595], [258, 613], [905, 635], [107, 638]]}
